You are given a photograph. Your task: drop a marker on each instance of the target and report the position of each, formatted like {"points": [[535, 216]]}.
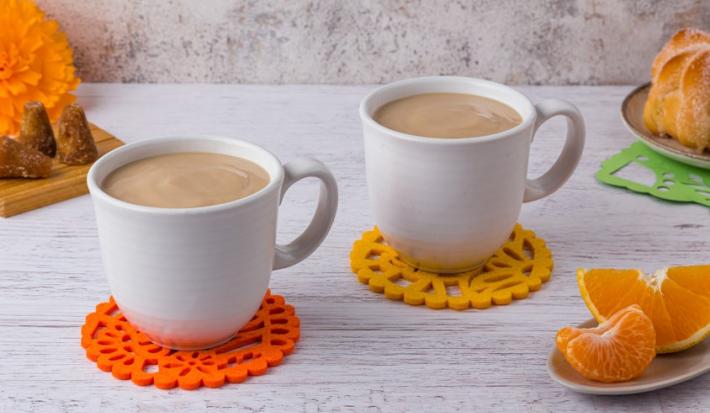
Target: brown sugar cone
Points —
{"points": [[36, 131], [20, 161], [75, 145]]}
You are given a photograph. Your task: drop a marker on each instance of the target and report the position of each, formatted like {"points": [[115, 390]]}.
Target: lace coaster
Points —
{"points": [[674, 181], [116, 346], [521, 265]]}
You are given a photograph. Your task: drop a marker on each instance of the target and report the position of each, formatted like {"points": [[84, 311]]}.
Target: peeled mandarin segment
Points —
{"points": [[677, 301], [20, 161], [632, 295], [695, 278], [619, 349], [566, 334], [36, 131], [661, 321], [690, 314], [75, 144], [596, 284]]}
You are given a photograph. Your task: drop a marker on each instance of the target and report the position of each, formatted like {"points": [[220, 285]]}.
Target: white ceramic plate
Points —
{"points": [[665, 370], [632, 114]]}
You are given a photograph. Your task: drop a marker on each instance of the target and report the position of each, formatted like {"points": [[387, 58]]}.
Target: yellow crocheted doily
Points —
{"points": [[521, 265]]}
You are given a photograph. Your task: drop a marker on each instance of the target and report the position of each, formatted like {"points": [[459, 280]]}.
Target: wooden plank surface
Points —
{"points": [[66, 182], [358, 351]]}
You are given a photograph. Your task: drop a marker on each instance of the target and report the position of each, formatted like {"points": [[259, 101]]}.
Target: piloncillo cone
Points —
{"points": [[21, 161], [36, 131], [75, 144]]}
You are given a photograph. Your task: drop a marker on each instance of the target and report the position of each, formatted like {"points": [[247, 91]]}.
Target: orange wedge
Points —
{"points": [[619, 349], [676, 299]]}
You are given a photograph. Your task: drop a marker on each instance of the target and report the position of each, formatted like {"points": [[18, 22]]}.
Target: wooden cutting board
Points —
{"points": [[66, 182]]}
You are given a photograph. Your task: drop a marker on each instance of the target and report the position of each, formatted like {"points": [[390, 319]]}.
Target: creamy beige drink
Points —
{"points": [[447, 115], [185, 180]]}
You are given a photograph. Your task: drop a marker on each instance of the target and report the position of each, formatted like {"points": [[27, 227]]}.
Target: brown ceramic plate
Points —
{"points": [[665, 370], [632, 114]]}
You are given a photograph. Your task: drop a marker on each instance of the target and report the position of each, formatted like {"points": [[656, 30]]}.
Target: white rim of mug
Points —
{"points": [[447, 141], [96, 190]]}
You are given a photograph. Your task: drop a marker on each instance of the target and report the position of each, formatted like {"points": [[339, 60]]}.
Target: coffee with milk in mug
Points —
{"points": [[447, 115]]}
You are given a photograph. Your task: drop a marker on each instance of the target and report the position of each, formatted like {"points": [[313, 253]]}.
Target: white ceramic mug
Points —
{"points": [[447, 205], [189, 278]]}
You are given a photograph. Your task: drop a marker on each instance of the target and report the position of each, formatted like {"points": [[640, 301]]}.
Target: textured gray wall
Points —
{"points": [[321, 41]]}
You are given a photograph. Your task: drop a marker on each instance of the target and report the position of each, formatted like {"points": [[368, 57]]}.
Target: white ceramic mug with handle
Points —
{"points": [[447, 205], [189, 278]]}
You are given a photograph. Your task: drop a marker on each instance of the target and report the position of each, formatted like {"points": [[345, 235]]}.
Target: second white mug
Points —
{"points": [[446, 205]]}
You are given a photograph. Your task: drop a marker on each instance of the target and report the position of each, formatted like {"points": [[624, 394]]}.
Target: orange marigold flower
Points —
{"points": [[35, 63]]}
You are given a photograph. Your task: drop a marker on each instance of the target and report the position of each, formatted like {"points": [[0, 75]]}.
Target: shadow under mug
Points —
{"points": [[446, 205], [190, 278]]}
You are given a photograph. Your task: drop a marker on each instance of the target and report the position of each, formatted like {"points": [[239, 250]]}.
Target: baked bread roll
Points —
{"points": [[679, 100]]}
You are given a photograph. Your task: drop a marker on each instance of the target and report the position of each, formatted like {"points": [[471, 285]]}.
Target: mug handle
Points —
{"points": [[558, 174], [303, 246]]}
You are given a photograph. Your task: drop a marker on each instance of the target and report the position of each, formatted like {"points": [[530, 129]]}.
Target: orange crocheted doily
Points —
{"points": [[118, 347]]}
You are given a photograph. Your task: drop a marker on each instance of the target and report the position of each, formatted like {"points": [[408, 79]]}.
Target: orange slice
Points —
{"points": [[676, 299], [619, 349]]}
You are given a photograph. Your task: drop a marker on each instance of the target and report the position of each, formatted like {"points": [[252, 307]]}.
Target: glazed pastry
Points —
{"points": [[20, 161], [36, 131], [679, 100], [75, 145]]}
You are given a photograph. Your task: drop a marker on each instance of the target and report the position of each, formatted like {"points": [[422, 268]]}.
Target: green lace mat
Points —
{"points": [[675, 181]]}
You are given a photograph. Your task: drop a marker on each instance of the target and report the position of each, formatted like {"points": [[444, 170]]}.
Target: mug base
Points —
{"points": [[433, 268], [195, 347], [189, 334]]}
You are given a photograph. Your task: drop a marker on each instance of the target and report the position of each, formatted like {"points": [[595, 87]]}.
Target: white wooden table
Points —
{"points": [[359, 352]]}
